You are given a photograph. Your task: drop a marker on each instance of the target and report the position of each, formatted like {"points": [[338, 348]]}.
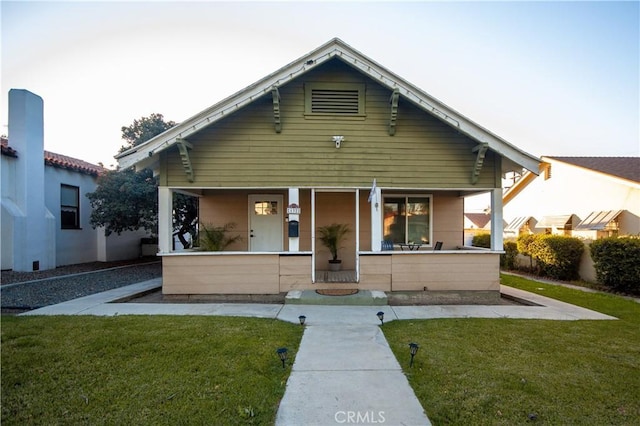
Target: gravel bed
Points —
{"points": [[51, 290]]}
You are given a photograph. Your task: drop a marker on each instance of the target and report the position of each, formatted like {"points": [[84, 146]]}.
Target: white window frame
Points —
{"points": [[406, 196]]}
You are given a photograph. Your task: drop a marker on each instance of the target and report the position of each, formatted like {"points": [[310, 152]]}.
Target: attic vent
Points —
{"points": [[334, 99]]}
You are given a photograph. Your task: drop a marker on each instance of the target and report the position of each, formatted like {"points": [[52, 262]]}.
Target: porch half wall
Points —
{"points": [[273, 273]]}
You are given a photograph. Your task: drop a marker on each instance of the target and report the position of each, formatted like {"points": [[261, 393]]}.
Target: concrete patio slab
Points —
{"points": [[336, 315]]}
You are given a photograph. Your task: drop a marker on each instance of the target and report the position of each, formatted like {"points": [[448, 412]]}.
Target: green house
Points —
{"points": [[332, 137]]}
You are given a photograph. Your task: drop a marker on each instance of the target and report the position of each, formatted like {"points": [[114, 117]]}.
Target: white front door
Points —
{"points": [[265, 222]]}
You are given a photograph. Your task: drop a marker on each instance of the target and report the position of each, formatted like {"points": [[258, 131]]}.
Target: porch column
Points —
{"points": [[294, 198], [165, 225], [496, 219], [375, 197]]}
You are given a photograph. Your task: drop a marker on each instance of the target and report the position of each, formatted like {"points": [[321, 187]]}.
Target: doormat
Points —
{"points": [[337, 292]]}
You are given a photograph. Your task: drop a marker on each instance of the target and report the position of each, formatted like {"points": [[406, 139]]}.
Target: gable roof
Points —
{"points": [[622, 167], [478, 219], [145, 154]]}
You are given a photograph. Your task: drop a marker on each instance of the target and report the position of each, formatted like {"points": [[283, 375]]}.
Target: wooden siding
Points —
{"points": [[221, 274], [448, 220], [375, 272], [336, 207], [218, 207], [295, 273], [441, 271], [244, 150], [243, 273]]}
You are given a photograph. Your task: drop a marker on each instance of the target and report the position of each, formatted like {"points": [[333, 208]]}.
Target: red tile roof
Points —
{"points": [[622, 167], [64, 162], [6, 149], [58, 160]]}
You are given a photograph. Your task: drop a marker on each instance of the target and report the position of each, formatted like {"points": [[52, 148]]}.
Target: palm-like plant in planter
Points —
{"points": [[332, 236]]}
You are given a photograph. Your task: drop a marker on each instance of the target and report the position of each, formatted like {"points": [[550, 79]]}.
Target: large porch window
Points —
{"points": [[407, 219]]}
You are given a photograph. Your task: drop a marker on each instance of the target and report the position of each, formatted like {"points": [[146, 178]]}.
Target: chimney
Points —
{"points": [[34, 232]]}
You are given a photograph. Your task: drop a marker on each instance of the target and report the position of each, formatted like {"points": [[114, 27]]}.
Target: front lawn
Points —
{"points": [[502, 371], [143, 370]]}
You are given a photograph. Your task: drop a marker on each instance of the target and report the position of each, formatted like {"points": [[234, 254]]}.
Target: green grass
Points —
{"points": [[499, 371], [143, 370]]}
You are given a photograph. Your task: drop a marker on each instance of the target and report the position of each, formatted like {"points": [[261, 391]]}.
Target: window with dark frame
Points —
{"points": [[407, 219], [69, 207]]}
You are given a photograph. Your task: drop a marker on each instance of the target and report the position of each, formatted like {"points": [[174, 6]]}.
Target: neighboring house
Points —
{"points": [[476, 224], [331, 137], [586, 197], [45, 211]]}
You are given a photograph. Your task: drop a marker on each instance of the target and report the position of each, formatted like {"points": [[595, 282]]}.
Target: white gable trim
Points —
{"points": [[334, 48]]}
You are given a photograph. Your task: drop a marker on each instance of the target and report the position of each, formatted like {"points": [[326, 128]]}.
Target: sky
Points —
{"points": [[552, 78]]}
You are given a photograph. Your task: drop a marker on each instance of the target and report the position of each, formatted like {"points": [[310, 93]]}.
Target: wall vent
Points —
{"points": [[340, 102]]}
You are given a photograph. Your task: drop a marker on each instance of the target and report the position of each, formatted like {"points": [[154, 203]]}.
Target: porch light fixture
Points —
{"points": [[381, 317], [282, 353], [338, 140], [413, 348], [302, 319]]}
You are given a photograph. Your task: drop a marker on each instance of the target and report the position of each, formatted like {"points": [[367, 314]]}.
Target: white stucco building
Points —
{"points": [[45, 212]]}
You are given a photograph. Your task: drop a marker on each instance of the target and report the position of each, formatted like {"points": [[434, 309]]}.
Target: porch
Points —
{"points": [[462, 270]]}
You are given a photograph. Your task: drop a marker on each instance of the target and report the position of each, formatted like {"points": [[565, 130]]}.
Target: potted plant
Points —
{"points": [[332, 236]]}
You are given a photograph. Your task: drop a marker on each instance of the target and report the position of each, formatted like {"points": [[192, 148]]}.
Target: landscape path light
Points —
{"points": [[413, 348], [302, 319], [282, 353], [381, 317]]}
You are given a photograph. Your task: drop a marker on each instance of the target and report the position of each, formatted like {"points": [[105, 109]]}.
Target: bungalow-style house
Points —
{"points": [[332, 137], [45, 213], [586, 197]]}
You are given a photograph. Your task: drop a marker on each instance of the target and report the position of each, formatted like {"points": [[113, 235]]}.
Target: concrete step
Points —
{"points": [[361, 298]]}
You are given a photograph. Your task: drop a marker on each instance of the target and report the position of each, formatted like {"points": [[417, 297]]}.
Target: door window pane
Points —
{"points": [[263, 208]]}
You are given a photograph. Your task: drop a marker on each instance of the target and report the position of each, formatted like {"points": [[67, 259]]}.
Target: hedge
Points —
{"points": [[556, 256], [617, 262], [481, 240], [508, 259]]}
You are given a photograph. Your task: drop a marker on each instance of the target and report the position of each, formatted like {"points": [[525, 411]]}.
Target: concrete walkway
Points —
{"points": [[347, 375], [102, 304], [344, 371]]}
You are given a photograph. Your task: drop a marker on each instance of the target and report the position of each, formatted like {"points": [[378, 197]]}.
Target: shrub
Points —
{"points": [[557, 256], [617, 262], [481, 240], [508, 259], [215, 238], [524, 242]]}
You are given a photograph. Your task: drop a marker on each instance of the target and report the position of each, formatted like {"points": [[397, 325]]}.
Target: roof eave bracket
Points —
{"points": [[276, 109], [183, 148], [481, 151], [395, 97]]}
